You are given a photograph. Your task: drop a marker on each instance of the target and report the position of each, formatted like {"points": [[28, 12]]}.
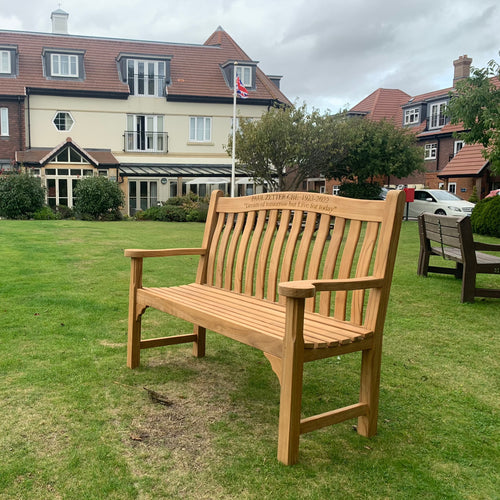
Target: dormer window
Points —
{"points": [[146, 78], [63, 64], [412, 116], [245, 74], [5, 64], [437, 117]]}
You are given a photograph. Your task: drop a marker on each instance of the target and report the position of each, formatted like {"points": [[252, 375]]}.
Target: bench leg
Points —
{"points": [[369, 390], [134, 315], [291, 383], [199, 344], [468, 284]]}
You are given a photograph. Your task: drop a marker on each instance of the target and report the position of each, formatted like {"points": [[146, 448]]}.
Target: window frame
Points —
{"points": [[195, 129], [412, 112], [152, 133], [158, 78], [430, 148], [437, 120], [73, 61], [457, 146], [8, 69], [4, 122], [68, 114], [246, 75]]}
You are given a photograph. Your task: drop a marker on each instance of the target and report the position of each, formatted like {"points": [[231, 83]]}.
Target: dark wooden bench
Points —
{"points": [[451, 238], [288, 284]]}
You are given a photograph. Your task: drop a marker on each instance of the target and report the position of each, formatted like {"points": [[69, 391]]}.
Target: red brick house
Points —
{"points": [[449, 163]]}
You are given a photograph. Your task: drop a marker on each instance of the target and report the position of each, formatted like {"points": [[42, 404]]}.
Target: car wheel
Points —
{"points": [[440, 212]]}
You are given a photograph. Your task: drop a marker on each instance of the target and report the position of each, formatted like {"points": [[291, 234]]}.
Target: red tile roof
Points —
{"points": [[383, 103], [468, 161], [195, 69]]}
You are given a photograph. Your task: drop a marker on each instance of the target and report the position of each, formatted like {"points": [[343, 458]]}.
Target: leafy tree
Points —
{"points": [[476, 105], [21, 195], [98, 198], [283, 148], [367, 150]]}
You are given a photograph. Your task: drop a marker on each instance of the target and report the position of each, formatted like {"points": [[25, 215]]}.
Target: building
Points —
{"points": [[449, 163], [153, 116]]}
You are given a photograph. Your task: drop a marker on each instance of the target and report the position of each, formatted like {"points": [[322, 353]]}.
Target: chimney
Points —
{"points": [[59, 22], [462, 68]]}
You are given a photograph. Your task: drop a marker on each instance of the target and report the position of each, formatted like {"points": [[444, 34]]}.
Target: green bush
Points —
{"points": [[98, 198], [45, 213], [363, 190], [190, 208], [485, 218], [21, 195]]}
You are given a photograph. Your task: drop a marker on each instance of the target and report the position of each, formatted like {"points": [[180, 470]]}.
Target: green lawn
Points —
{"points": [[75, 423]]}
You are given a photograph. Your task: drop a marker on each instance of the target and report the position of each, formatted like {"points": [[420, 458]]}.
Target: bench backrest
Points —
{"points": [[255, 242], [447, 231]]}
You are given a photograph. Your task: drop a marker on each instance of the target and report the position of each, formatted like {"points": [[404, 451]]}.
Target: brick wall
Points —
{"points": [[15, 141]]}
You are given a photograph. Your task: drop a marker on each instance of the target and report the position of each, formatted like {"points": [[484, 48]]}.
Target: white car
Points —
{"points": [[438, 201]]}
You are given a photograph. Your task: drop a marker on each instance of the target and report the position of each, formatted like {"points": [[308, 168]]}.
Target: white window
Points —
{"points": [[4, 121], [245, 74], [63, 121], [437, 118], [5, 61], [452, 187], [64, 65], [430, 151], [335, 190], [200, 129], [146, 78], [145, 133], [143, 194], [458, 146], [412, 116]]}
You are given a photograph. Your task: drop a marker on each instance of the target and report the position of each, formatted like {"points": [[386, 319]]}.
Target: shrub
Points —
{"points": [[98, 198], [363, 190], [190, 208], [65, 212], [485, 218], [45, 213], [21, 195]]}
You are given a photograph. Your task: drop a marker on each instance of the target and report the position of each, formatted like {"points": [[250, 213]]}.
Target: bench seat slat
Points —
{"points": [[264, 317]]}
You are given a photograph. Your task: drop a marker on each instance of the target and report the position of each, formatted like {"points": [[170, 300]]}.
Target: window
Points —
{"points": [[437, 118], [5, 66], [142, 195], [412, 116], [200, 129], [458, 146], [63, 120], [452, 187], [245, 74], [430, 152], [64, 65], [145, 133], [69, 155], [146, 78], [335, 190], [4, 121], [61, 182]]}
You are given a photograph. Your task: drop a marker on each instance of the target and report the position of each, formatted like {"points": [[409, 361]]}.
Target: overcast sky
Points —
{"points": [[331, 53]]}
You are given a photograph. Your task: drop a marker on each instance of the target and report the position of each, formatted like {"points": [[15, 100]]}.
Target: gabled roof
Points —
{"points": [[382, 104], [195, 69], [430, 96], [468, 161], [41, 156]]}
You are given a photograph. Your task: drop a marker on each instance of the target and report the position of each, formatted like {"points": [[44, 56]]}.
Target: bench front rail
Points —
{"points": [[300, 277]]}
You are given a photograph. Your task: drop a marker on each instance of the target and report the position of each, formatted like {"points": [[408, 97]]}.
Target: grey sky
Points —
{"points": [[331, 53]]}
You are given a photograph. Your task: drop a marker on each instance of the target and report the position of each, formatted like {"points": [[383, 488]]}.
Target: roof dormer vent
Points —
{"points": [[59, 22]]}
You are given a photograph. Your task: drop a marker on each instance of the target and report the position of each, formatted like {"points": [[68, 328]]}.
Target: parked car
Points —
{"points": [[438, 201]]}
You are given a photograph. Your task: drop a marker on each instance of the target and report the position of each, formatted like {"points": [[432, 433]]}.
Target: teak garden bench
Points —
{"points": [[456, 243], [274, 275]]}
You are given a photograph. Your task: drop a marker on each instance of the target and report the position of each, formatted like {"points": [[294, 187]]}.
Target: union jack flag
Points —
{"points": [[240, 89]]}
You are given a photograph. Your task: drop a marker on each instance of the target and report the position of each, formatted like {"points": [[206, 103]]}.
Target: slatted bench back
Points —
{"points": [[256, 242], [444, 230]]}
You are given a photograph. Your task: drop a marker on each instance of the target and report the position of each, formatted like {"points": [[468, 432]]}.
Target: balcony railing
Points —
{"points": [[150, 142], [144, 85]]}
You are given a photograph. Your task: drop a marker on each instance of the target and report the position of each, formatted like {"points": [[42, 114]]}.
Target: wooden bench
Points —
{"points": [[298, 293], [456, 243]]}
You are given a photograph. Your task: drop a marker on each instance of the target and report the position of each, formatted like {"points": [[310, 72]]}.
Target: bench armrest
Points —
{"points": [[166, 252], [308, 288], [486, 246]]}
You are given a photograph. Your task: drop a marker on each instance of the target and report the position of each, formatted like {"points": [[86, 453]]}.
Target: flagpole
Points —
{"points": [[234, 134]]}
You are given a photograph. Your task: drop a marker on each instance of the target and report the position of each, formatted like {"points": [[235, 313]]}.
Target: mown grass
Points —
{"points": [[76, 423]]}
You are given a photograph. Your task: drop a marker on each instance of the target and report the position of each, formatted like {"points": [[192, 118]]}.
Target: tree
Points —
{"points": [[98, 197], [283, 148], [21, 195], [368, 150], [476, 105]]}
